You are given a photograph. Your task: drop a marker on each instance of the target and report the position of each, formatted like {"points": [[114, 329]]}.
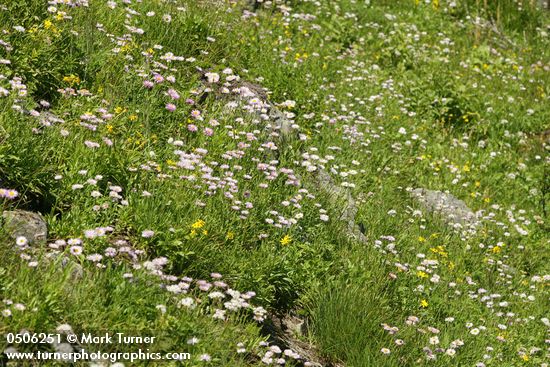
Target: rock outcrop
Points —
{"points": [[21, 223], [451, 210]]}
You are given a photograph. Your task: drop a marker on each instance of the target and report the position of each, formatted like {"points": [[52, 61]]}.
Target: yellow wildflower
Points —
{"points": [[126, 48], [198, 224], [286, 240], [424, 303], [71, 79], [421, 274]]}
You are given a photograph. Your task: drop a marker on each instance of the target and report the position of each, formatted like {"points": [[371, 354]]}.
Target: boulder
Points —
{"points": [[74, 268], [338, 196], [452, 211], [289, 332], [294, 325], [30, 225], [252, 98]]}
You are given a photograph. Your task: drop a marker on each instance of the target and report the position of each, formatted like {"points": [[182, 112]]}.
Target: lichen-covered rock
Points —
{"points": [[288, 332], [294, 325], [26, 224], [253, 99], [452, 211], [340, 196], [75, 269], [77, 272]]}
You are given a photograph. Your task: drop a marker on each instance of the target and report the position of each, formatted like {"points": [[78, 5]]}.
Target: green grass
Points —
{"points": [[387, 96], [102, 301]]}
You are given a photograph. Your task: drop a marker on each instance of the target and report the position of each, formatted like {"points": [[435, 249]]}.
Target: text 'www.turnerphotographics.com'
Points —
{"points": [[82, 344]]}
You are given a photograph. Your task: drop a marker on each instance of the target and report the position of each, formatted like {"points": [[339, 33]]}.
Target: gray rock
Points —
{"points": [[27, 224], [277, 121], [280, 123], [75, 270], [452, 211], [340, 196], [254, 99], [288, 333], [294, 325]]}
